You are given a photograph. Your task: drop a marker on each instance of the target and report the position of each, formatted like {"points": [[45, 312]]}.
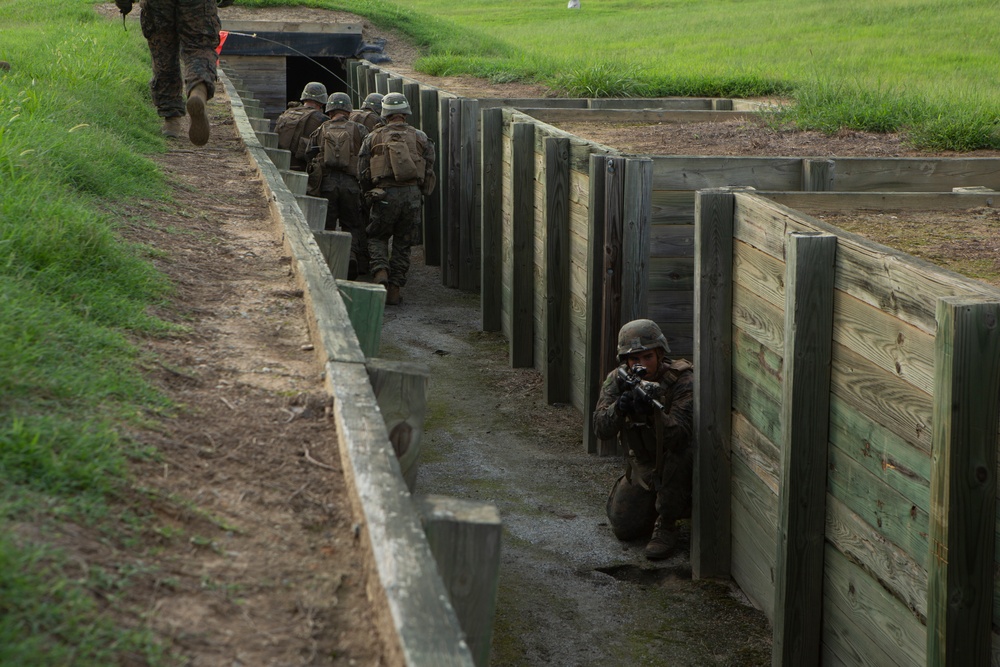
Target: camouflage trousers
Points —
{"points": [[396, 217], [343, 195], [633, 508], [180, 31]]}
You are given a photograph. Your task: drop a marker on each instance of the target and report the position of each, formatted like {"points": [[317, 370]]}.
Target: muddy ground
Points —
{"points": [[250, 557]]}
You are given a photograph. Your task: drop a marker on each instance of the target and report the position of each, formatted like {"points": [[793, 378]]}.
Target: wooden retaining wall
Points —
{"points": [[857, 506]]}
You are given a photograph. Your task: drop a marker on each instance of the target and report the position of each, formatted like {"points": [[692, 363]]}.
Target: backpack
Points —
{"points": [[290, 127], [338, 145], [397, 155]]}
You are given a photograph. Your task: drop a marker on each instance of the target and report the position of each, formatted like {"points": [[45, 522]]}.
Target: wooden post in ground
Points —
{"points": [[595, 305], [382, 83], [352, 82], [401, 391], [491, 281], [522, 313], [370, 80], [611, 299], [557, 356], [394, 84], [636, 238], [432, 203], [817, 175], [365, 304], [805, 418], [412, 93], [464, 536], [960, 566], [444, 185], [313, 210], [711, 540], [450, 261], [468, 221], [336, 250]]}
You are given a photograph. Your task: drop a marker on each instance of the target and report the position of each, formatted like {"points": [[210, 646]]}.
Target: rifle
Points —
{"points": [[632, 379]]}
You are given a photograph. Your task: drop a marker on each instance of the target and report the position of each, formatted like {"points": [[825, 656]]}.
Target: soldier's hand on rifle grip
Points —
{"points": [[626, 403]]}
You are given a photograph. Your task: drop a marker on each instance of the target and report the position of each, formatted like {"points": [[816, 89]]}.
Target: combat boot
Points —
{"points": [[381, 277], [664, 540], [199, 130], [172, 128], [392, 295]]}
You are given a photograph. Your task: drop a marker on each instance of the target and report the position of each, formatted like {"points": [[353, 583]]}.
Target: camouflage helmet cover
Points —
{"points": [[373, 102], [640, 335], [339, 102], [314, 91], [395, 103]]}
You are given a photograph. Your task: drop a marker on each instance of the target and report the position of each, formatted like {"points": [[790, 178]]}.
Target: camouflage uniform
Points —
{"points": [[638, 497], [368, 118], [342, 189], [397, 213], [315, 118], [180, 30]]}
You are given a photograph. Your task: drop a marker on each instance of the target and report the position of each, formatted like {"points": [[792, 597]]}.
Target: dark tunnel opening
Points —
{"points": [[330, 71]]}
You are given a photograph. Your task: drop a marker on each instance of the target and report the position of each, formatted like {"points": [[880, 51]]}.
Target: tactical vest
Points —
{"points": [[291, 126], [339, 143], [368, 118], [397, 155]]}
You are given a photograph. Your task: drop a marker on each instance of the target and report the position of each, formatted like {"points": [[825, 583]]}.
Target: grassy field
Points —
{"points": [[930, 67], [75, 122]]}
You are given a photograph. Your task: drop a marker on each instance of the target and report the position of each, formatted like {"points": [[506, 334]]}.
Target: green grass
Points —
{"points": [[925, 67], [75, 123]]}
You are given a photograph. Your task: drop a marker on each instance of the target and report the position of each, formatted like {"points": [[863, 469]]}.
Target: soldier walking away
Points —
{"points": [[370, 113], [397, 170], [181, 31], [647, 402], [296, 124], [333, 174]]}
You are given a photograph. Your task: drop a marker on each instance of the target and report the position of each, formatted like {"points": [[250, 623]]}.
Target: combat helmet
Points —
{"points": [[339, 102], [314, 91], [638, 336], [373, 102], [394, 103]]}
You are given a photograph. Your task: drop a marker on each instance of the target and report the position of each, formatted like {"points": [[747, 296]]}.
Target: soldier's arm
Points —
{"points": [[430, 178], [679, 418], [607, 420], [364, 163]]}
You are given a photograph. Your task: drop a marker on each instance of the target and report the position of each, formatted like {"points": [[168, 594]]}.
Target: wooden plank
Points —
{"points": [[671, 240], [394, 84], [336, 250], [492, 218], [408, 593], [411, 90], [805, 424], [635, 239], [452, 203], [673, 306], [963, 482], [755, 515], [556, 387], [817, 175], [844, 202], [401, 391], [595, 281], [432, 203], [469, 256], [382, 82], [648, 116], [522, 237], [676, 103], [711, 520], [759, 318], [365, 304], [352, 82], [465, 536], [700, 173], [756, 452], [611, 316], [370, 79], [914, 174]]}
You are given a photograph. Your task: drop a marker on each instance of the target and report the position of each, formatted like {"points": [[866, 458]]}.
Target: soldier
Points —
{"points": [[397, 170], [652, 418], [370, 113], [179, 30], [333, 150], [296, 124]]}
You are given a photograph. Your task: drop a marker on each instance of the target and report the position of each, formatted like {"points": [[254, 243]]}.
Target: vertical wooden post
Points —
{"points": [[595, 303], [711, 541], [365, 306], [394, 84], [963, 483], [401, 391], [722, 104], [805, 418], [444, 130], [522, 252], [352, 82], [336, 249], [817, 175], [370, 86], [636, 238], [432, 203], [468, 226], [557, 357], [491, 291], [464, 536], [382, 83], [611, 318], [450, 247], [412, 93]]}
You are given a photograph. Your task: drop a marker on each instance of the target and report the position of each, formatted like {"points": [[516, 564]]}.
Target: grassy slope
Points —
{"points": [[75, 121]]}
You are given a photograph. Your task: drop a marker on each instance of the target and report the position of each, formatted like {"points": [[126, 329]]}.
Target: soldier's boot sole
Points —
{"points": [[199, 131]]}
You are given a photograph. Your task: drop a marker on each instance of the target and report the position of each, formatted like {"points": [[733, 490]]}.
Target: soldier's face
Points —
{"points": [[648, 359]]}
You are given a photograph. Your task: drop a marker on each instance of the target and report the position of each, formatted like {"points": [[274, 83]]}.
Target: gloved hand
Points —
{"points": [[124, 6], [633, 402]]}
